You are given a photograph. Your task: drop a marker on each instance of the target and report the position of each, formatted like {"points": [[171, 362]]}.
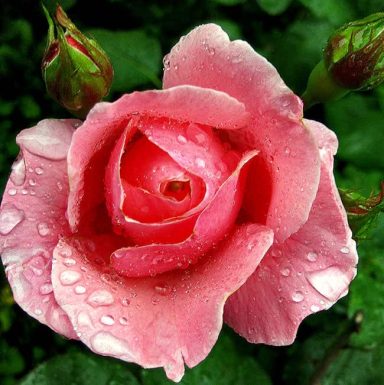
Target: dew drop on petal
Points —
{"points": [[315, 308], [100, 298], [181, 139], [330, 282], [10, 217], [200, 162], [18, 172], [285, 271], [43, 229], [69, 277], [38, 312], [80, 289], [69, 262], [297, 296], [46, 289], [39, 171], [12, 192], [107, 320], [312, 256], [163, 289], [344, 250], [125, 301], [123, 321]]}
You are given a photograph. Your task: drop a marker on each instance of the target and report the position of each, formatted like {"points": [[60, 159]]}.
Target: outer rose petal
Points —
{"points": [[160, 321], [32, 219], [309, 272], [206, 58], [95, 139]]}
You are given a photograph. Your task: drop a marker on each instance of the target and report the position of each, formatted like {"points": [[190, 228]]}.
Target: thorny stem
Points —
{"points": [[353, 326]]}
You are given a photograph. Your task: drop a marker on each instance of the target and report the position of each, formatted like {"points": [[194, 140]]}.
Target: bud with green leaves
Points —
{"points": [[353, 60], [76, 71]]}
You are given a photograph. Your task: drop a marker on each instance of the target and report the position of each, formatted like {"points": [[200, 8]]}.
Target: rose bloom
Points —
{"points": [[168, 211]]}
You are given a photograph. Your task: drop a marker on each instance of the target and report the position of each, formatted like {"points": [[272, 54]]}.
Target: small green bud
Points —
{"points": [[353, 60], [76, 71]]}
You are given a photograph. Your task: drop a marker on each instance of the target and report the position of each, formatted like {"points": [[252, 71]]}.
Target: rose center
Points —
{"points": [[176, 189]]}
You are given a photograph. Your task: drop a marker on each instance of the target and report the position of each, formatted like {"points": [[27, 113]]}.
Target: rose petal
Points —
{"points": [[206, 58], [212, 225], [161, 321], [32, 219], [95, 139], [309, 272], [117, 195]]}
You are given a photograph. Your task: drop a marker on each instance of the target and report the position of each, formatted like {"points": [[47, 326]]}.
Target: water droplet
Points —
{"points": [[32, 182], [38, 312], [59, 186], [69, 277], [46, 289], [182, 139], [107, 344], [166, 63], [312, 256], [330, 282], [12, 192], [163, 289], [107, 320], [24, 191], [344, 250], [10, 217], [297, 296], [43, 229], [100, 298], [38, 272], [65, 252], [285, 271], [287, 150], [123, 321], [80, 289], [39, 171], [69, 262], [18, 172], [200, 162], [315, 308], [125, 301]]}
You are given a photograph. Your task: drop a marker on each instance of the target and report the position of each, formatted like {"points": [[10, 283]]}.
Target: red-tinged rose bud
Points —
{"points": [[353, 60], [362, 212], [76, 71], [354, 55]]}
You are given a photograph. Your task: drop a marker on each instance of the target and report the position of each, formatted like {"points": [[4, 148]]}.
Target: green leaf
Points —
{"points": [[367, 290], [337, 12], [356, 367], [297, 50], [11, 361], [229, 2], [358, 123], [225, 365], [135, 57], [274, 7], [81, 369]]}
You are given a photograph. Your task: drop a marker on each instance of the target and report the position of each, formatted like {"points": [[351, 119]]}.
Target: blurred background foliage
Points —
{"points": [[342, 346]]}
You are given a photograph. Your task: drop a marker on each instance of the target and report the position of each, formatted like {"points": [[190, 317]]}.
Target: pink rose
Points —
{"points": [[132, 232]]}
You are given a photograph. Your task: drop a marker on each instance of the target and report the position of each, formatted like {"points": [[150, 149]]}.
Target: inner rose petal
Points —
{"points": [[156, 188]]}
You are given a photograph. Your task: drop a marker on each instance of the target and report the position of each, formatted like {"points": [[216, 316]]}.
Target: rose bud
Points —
{"points": [[76, 71], [353, 60]]}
